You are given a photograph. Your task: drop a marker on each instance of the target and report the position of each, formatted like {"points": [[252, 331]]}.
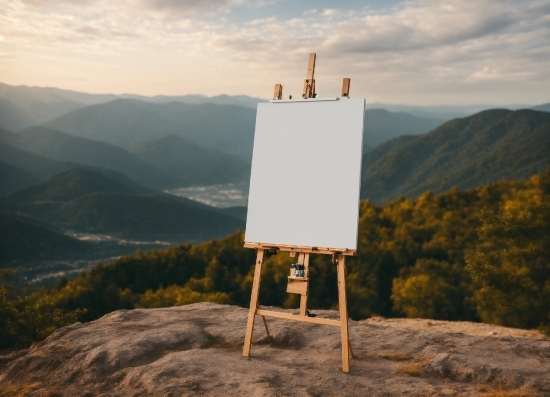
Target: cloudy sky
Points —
{"points": [[401, 52]]}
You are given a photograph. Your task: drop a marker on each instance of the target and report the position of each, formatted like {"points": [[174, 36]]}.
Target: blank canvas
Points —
{"points": [[306, 173]]}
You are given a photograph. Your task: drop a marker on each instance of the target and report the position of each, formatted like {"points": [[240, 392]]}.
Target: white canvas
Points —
{"points": [[306, 173]]}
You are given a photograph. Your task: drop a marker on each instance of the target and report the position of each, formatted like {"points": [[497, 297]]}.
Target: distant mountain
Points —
{"points": [[542, 108], [444, 112], [56, 145], [85, 201], [468, 152], [26, 242], [22, 106], [38, 166], [180, 157], [130, 123], [381, 126], [238, 100], [72, 184], [14, 178]]}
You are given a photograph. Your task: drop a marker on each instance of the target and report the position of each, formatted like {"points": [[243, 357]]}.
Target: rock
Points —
{"points": [[197, 350]]}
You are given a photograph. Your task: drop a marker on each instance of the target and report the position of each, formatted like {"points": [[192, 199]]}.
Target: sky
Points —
{"points": [[416, 52]]}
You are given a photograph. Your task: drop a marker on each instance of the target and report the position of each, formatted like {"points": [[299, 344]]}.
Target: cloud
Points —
{"points": [[416, 45], [190, 7]]}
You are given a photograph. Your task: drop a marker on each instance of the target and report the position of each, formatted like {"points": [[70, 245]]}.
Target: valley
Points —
{"points": [[105, 175]]}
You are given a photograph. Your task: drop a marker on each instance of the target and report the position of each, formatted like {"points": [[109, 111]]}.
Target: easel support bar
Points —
{"points": [[314, 320]]}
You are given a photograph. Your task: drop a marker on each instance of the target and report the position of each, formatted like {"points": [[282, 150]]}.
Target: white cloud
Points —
{"points": [[417, 46]]}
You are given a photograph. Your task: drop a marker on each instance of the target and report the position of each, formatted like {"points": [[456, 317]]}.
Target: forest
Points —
{"points": [[478, 255]]}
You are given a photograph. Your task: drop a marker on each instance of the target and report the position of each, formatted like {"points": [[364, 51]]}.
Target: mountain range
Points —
{"points": [[167, 162], [86, 201], [466, 152], [76, 164]]}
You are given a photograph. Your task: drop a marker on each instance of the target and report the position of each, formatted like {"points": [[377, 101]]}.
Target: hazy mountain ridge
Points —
{"points": [[129, 123], [382, 126], [177, 156], [467, 152], [62, 147]]}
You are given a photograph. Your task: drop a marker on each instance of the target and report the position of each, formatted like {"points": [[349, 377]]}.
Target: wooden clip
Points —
{"points": [[345, 87], [278, 92], [309, 82]]}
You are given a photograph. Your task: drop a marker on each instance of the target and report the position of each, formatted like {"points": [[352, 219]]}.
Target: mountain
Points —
{"points": [[238, 100], [56, 145], [72, 184], [38, 166], [131, 123], [542, 108], [178, 156], [23, 241], [23, 107], [14, 178], [85, 201], [371, 156], [467, 152], [382, 126], [160, 217]]}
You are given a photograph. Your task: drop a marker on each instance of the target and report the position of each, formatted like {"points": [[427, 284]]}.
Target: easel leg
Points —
{"points": [[342, 303], [253, 303], [303, 298]]}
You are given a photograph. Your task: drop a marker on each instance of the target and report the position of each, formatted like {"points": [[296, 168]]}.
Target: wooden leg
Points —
{"points": [[253, 303], [342, 303], [303, 298]]}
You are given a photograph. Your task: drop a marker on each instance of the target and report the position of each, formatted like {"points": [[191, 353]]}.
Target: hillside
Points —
{"points": [[24, 242], [13, 178], [88, 201], [382, 126], [72, 184], [151, 217], [197, 350], [468, 152], [58, 146], [38, 166], [177, 156], [130, 123], [411, 254]]}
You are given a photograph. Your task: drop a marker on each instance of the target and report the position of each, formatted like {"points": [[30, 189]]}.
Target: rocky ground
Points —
{"points": [[197, 350]]}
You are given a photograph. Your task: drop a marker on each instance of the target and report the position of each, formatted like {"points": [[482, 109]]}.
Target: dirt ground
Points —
{"points": [[197, 350]]}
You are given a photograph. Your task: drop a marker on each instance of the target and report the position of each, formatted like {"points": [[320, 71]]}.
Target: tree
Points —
{"points": [[512, 271]]}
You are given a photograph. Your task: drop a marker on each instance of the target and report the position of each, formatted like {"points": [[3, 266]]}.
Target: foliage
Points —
{"points": [[178, 296], [512, 269], [25, 320], [411, 261]]}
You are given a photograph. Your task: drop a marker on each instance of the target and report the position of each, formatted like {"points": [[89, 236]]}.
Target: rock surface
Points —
{"points": [[197, 350]]}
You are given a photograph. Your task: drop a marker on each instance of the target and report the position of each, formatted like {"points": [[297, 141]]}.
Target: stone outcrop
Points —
{"points": [[197, 350]]}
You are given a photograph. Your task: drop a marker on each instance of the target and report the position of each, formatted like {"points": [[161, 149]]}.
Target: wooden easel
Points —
{"points": [[300, 285]]}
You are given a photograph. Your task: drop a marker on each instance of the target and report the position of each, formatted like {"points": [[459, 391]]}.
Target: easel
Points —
{"points": [[299, 285]]}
